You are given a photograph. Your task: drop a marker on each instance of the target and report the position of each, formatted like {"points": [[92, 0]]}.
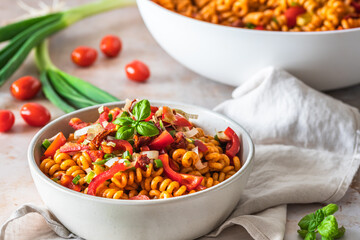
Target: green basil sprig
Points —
{"points": [[128, 126], [322, 222]]}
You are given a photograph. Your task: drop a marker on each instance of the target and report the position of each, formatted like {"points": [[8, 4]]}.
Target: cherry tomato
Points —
{"points": [[35, 114], [25, 88], [137, 71], [7, 120], [291, 15], [84, 56], [111, 46]]}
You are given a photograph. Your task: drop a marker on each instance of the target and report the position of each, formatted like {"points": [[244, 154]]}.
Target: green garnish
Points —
{"points": [[55, 179], [322, 222], [76, 179], [161, 124], [23, 36], [127, 163], [108, 155], [46, 143], [147, 166], [126, 155], [294, 4], [275, 20], [190, 140], [110, 117], [102, 162], [172, 133], [128, 126], [250, 25], [89, 176], [158, 163]]}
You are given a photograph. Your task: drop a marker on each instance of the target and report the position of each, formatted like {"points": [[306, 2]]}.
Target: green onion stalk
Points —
{"points": [[65, 91], [27, 34]]}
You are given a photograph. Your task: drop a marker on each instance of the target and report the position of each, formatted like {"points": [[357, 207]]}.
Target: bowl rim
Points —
{"points": [[34, 168], [230, 28]]}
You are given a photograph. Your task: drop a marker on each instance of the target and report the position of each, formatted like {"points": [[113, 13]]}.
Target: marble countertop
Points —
{"points": [[169, 80]]}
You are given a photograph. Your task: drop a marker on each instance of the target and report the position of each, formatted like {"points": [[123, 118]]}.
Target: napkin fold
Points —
{"points": [[307, 150]]}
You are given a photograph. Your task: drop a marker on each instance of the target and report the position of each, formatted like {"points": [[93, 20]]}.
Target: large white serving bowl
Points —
{"points": [[323, 60], [184, 217]]}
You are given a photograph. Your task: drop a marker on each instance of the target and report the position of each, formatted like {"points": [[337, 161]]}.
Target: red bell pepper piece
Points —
{"points": [[77, 124], [154, 109], [144, 148], [174, 166], [163, 140], [190, 181], [201, 146], [55, 145], [122, 145], [104, 117], [67, 181], [356, 5], [181, 121], [149, 117], [200, 187], [259, 27], [73, 147], [139, 197], [233, 146], [95, 154], [101, 178], [291, 14]]}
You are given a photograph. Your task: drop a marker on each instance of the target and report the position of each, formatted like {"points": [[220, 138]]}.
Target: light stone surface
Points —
{"points": [[169, 81]]}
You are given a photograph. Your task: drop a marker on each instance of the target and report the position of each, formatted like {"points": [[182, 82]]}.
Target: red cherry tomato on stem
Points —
{"points": [[7, 120], [84, 56], [25, 88], [35, 114], [291, 15], [111, 46], [137, 71]]}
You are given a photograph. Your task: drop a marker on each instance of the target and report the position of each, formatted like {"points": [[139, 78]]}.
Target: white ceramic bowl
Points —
{"points": [[324, 60], [184, 217]]}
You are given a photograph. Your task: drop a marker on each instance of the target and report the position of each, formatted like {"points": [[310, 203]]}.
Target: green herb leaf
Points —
{"points": [[125, 133], [125, 114], [249, 25], [46, 143], [305, 221], [319, 216], [328, 227], [142, 110], [341, 232], [147, 129], [310, 236], [123, 121], [330, 209], [312, 225], [76, 179]]}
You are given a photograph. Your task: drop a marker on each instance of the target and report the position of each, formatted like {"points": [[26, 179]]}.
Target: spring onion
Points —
{"points": [[127, 163], [89, 176], [55, 179], [46, 143], [108, 155], [127, 155], [24, 35], [63, 90], [158, 163], [76, 179]]}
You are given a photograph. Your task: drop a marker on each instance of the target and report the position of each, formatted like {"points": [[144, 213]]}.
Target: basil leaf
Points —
{"points": [[124, 133], [125, 114], [142, 110], [328, 227], [330, 209], [341, 232], [147, 129], [305, 221], [302, 233], [319, 216], [312, 225], [310, 236], [123, 121]]}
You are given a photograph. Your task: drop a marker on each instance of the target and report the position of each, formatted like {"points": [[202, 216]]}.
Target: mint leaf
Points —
{"points": [[328, 227], [123, 121], [142, 110], [124, 133], [147, 129]]}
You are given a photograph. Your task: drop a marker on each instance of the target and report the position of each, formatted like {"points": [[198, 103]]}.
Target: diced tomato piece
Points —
{"points": [[142, 161], [163, 140], [73, 147], [77, 124], [154, 109], [201, 146], [55, 145], [291, 15], [139, 197], [233, 146], [67, 181], [95, 154], [101, 178]]}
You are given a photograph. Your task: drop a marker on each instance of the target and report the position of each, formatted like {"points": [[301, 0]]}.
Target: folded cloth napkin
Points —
{"points": [[306, 151]]}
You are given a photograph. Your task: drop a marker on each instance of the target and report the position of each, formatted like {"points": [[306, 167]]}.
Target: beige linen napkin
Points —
{"points": [[306, 151]]}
